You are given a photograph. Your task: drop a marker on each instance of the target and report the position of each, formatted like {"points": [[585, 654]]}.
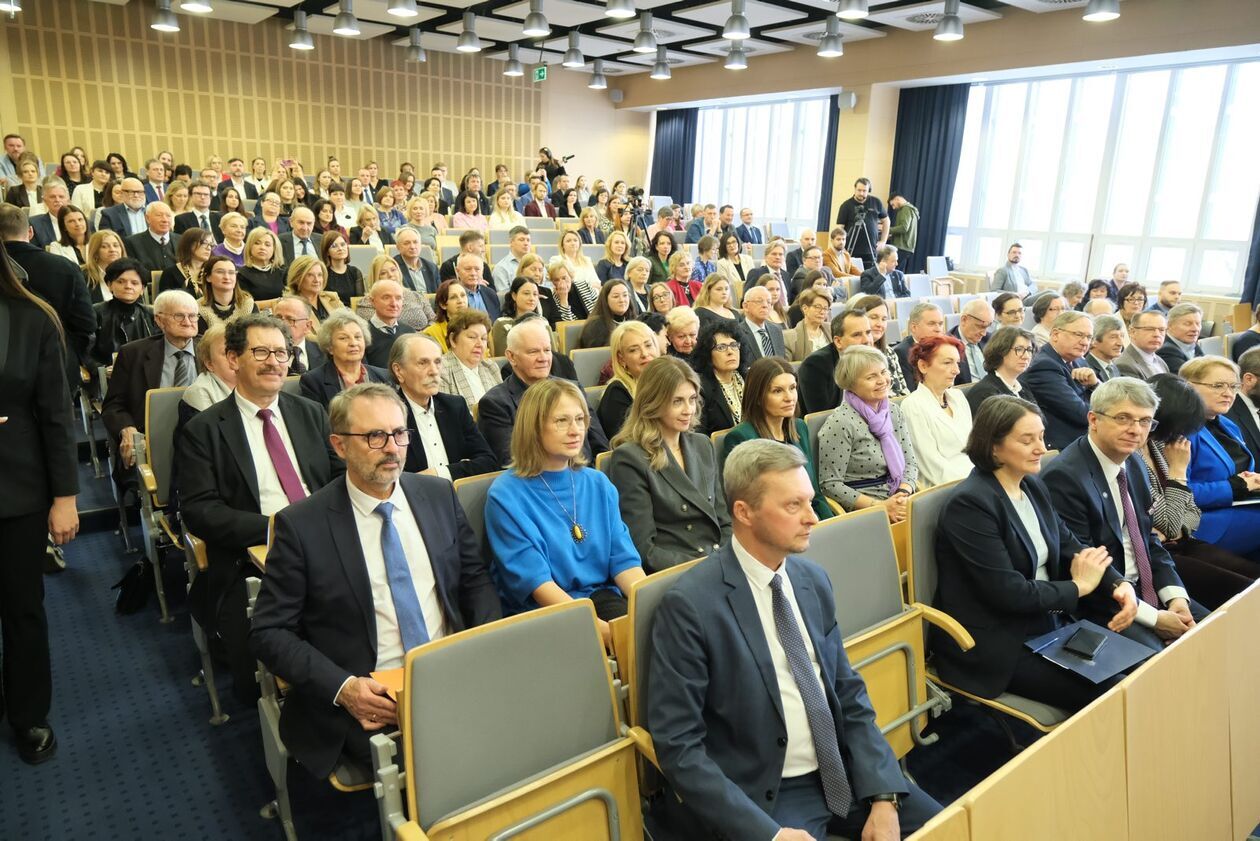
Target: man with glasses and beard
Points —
{"points": [[241, 461]]}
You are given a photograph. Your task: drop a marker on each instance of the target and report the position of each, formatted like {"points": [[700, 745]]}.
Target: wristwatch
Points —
{"points": [[894, 799]]}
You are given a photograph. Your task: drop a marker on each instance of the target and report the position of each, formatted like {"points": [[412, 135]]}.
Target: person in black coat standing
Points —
{"points": [[37, 499]]}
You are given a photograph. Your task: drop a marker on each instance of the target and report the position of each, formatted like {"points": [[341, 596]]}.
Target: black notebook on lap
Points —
{"points": [[1114, 654]]}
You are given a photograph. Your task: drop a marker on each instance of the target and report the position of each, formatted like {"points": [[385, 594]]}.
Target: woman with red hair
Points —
{"points": [[936, 413]]}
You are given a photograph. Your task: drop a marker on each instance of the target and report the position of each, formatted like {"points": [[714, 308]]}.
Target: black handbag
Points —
{"points": [[134, 588]]}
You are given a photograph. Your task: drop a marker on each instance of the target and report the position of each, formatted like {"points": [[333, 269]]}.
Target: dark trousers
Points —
{"points": [[26, 688], [1038, 679], [801, 805], [609, 604], [1212, 573], [322, 812]]}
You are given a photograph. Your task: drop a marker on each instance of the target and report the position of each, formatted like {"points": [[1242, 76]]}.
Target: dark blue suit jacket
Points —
{"points": [[1063, 401], [749, 234], [714, 708], [42, 228], [314, 622], [1210, 469], [150, 193], [1083, 500], [987, 580], [114, 218], [466, 448]]}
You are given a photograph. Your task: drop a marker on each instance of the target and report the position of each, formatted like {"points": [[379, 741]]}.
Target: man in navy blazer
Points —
{"points": [[329, 611], [746, 231], [1060, 381], [418, 272], [459, 448], [750, 749], [973, 331], [1085, 485]]}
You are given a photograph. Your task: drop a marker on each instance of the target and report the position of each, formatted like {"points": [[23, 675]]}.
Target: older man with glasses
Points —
{"points": [[1060, 381], [126, 218], [973, 332], [1141, 359]]}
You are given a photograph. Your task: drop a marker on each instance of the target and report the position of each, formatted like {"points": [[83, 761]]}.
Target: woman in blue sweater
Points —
{"points": [[554, 524]]}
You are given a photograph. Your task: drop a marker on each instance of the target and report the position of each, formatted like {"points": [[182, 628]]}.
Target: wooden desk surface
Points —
{"points": [[258, 555]]}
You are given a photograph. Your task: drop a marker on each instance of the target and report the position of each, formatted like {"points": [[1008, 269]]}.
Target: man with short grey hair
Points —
{"points": [[758, 335], [153, 247], [795, 757], [126, 218], [973, 331], [1185, 323], [386, 300], [418, 273], [1106, 347], [505, 269], [303, 240], [1095, 307], [1140, 359], [45, 226], [1059, 379], [299, 317], [926, 319]]}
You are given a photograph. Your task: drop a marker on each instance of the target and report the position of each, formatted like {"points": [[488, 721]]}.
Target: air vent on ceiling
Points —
{"points": [[813, 36], [663, 34], [674, 62], [925, 18], [1059, 3]]}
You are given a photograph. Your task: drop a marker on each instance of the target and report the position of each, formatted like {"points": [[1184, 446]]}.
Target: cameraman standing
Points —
{"points": [[865, 223]]}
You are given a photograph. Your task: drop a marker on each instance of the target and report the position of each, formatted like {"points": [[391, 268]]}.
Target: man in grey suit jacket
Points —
{"points": [[747, 735], [303, 222], [1013, 277], [1146, 335]]}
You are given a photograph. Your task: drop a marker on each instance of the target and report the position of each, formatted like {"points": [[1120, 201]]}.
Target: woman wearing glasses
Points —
{"points": [[1009, 309], [1222, 471], [1006, 355], [553, 523], [344, 338], [813, 332]]}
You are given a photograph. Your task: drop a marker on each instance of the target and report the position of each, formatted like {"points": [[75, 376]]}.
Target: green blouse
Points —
{"points": [[746, 432]]}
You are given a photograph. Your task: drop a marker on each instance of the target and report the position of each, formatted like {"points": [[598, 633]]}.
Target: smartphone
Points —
{"points": [[1085, 643]]}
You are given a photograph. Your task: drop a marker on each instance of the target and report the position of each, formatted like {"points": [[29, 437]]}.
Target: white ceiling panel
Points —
{"points": [[557, 12], [924, 16], [496, 30], [675, 58], [228, 10], [592, 46], [813, 31], [377, 10], [667, 31], [753, 46], [757, 12], [432, 41], [322, 25]]}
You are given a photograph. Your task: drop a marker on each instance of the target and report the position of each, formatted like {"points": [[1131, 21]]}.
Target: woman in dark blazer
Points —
{"points": [[632, 347], [717, 361], [1009, 569], [1007, 354], [666, 476], [344, 338], [37, 499]]}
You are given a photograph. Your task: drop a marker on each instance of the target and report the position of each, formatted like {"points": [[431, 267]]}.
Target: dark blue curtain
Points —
{"points": [[674, 158], [1251, 278], [829, 168], [929, 140]]}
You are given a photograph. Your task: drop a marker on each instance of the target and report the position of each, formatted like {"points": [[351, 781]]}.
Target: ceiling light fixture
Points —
{"points": [[660, 70], [736, 58], [536, 25], [164, 19], [950, 27], [10, 7], [514, 67], [598, 81], [619, 9], [468, 41], [573, 55], [831, 46], [736, 28], [1101, 11], [645, 41], [402, 8], [852, 10], [346, 24], [197, 7], [301, 39], [415, 52]]}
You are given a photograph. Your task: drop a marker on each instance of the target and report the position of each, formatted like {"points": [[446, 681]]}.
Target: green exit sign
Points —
{"points": [[540, 73]]}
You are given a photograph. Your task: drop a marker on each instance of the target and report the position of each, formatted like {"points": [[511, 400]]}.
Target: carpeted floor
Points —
{"points": [[138, 760]]}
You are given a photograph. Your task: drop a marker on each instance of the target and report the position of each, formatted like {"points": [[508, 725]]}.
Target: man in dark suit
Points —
{"points": [[57, 281], [925, 320], [1185, 323], [973, 332], [758, 335], [776, 255], [242, 460], [1244, 410], [445, 440], [817, 376], [155, 181], [236, 178], [1099, 487], [362, 571], [302, 240], [44, 225], [297, 314], [418, 273], [761, 726], [746, 231], [529, 355], [471, 273], [386, 299], [199, 214], [1106, 348], [808, 239], [883, 278], [470, 242], [153, 248], [1060, 381], [1146, 335], [128, 217]]}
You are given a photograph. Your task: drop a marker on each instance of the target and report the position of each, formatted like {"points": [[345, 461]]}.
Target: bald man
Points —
{"points": [[126, 218], [153, 247], [386, 299]]}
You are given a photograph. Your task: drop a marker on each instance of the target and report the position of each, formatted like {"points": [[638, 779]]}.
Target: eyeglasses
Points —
{"points": [[1145, 424], [1232, 388], [288, 319], [985, 324], [1084, 337], [567, 422], [261, 353], [180, 316], [818, 308], [725, 346], [1150, 328], [1019, 311], [1022, 350], [377, 437]]}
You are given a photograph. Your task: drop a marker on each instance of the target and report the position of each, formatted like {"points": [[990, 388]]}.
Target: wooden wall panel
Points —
{"points": [[95, 75]]}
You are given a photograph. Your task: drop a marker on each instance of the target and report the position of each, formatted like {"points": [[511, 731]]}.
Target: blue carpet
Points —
{"points": [[137, 758]]}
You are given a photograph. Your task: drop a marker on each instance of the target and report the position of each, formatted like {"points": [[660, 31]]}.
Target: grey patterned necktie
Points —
{"points": [[183, 371]]}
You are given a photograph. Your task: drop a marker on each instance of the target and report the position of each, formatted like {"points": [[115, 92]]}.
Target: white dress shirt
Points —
{"points": [[1146, 613], [389, 647], [800, 757], [430, 437], [271, 495], [472, 377]]}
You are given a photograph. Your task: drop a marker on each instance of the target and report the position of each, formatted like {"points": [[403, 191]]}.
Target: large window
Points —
{"points": [[767, 157], [1154, 168]]}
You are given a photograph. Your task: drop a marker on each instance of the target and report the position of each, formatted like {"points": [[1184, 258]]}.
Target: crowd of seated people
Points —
{"points": [[400, 396]]}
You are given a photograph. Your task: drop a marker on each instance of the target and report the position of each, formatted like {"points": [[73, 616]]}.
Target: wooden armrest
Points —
{"points": [[85, 375], [643, 743], [411, 831], [619, 631], [146, 474], [835, 506], [949, 625], [198, 547]]}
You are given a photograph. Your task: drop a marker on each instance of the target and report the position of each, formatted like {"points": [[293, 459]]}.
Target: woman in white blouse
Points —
{"points": [[937, 414], [504, 217], [581, 269]]}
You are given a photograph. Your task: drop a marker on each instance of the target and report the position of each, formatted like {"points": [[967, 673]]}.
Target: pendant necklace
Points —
{"points": [[575, 530]]}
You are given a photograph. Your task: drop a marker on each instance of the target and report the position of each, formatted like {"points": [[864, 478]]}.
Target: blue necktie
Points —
{"points": [[401, 587], [822, 726]]}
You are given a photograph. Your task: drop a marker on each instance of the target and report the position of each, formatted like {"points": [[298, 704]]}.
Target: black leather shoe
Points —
{"points": [[36, 744]]}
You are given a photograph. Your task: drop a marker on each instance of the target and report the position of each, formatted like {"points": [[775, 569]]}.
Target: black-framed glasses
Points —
{"points": [[1145, 424], [377, 437], [261, 353], [1022, 350], [725, 346]]}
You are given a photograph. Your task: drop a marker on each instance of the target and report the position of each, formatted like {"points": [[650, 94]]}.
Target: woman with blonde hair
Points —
{"points": [[679, 279], [263, 273], [588, 227], [505, 217], [307, 280], [103, 248], [713, 303], [367, 229], [586, 280], [778, 308], [669, 489], [222, 298], [177, 196], [416, 312], [564, 303], [616, 257], [422, 220], [234, 226], [553, 523], [632, 347]]}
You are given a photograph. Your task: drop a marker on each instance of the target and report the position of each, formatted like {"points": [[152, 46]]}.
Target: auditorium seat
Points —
{"points": [[567, 335], [588, 362], [472, 492], [195, 563], [155, 458]]}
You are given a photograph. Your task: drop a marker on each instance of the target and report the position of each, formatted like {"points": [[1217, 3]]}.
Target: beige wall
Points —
{"points": [[232, 89]]}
